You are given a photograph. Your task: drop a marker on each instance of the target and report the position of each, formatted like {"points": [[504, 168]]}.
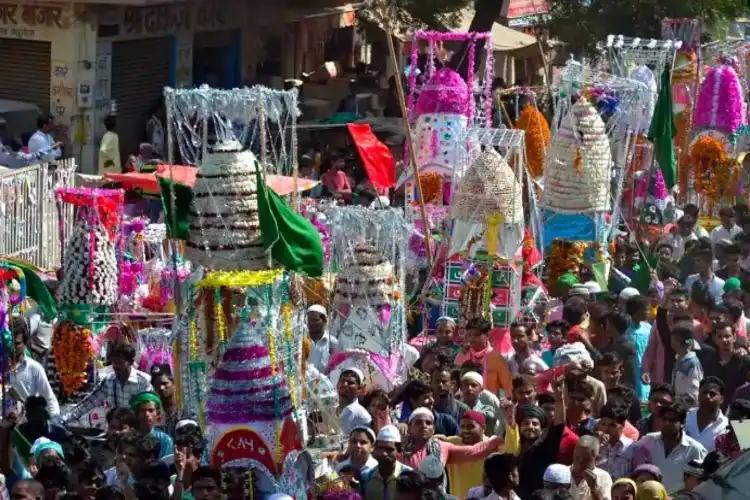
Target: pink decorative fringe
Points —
{"points": [[720, 104]]}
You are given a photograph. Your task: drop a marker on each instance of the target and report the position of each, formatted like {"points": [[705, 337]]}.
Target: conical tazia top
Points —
{"points": [[244, 388]]}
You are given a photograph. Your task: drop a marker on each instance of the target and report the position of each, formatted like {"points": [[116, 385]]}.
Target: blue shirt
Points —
{"points": [[639, 335], [166, 445]]}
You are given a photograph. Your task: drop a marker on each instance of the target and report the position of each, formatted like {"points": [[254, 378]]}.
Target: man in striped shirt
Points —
{"points": [[118, 386]]}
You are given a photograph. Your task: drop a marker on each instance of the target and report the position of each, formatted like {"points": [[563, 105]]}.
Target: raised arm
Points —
{"points": [[463, 453]]}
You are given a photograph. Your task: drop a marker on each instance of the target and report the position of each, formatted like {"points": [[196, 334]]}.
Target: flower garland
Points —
{"points": [[240, 279], [564, 257], [272, 353], [286, 315], [537, 138], [221, 325], [714, 174], [71, 348], [432, 187]]}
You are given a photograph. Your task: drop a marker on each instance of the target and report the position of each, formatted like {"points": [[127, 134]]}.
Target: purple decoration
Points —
{"points": [[263, 396], [446, 92], [228, 375], [241, 354]]}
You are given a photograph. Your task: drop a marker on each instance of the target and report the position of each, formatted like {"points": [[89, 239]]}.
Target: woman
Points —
{"points": [[652, 490]]}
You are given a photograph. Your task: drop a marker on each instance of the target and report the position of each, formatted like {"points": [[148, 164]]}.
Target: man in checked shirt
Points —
{"points": [[118, 386]]}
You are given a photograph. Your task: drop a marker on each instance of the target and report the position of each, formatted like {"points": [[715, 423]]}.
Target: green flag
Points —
{"points": [[663, 131], [176, 217], [292, 239], [642, 279]]}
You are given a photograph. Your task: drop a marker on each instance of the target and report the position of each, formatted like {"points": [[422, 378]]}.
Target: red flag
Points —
{"points": [[377, 158]]}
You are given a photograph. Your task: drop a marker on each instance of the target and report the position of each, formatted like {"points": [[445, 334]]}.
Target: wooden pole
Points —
{"points": [[409, 142]]}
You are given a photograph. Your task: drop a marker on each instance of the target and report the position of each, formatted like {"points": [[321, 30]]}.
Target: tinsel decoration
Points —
{"points": [[714, 174], [564, 257], [682, 124], [720, 103], [537, 138], [72, 351]]}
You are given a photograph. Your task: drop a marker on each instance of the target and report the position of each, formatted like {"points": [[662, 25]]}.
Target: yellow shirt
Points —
{"points": [[466, 475], [109, 150]]}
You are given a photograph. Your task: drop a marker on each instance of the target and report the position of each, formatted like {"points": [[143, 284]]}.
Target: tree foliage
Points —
{"points": [[584, 23]]}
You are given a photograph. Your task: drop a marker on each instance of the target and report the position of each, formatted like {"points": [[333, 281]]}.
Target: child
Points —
{"points": [[687, 372], [555, 339], [610, 370]]}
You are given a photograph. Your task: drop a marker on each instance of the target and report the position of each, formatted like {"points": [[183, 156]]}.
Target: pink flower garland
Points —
{"points": [[720, 104]]}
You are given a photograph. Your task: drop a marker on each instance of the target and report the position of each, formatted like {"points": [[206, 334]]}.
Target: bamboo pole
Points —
{"points": [[409, 143]]}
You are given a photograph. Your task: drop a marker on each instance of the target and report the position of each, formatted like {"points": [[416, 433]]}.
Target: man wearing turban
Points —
{"points": [[147, 408]]}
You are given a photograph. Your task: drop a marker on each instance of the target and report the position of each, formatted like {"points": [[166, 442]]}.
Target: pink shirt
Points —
{"points": [[336, 181], [455, 453], [653, 357]]}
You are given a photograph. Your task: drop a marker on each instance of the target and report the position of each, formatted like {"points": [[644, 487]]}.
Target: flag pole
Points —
{"points": [[407, 132]]}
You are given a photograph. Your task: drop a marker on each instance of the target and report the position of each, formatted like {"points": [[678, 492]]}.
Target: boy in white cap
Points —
{"points": [[379, 483], [351, 413], [557, 477], [323, 344], [361, 442]]}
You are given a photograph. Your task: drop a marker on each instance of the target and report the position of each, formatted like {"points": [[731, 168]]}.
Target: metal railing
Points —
{"points": [[29, 221]]}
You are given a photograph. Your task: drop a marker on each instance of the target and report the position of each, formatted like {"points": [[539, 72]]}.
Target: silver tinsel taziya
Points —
{"points": [[79, 285]]}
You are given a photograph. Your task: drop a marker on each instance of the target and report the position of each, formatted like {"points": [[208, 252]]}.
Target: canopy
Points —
{"points": [[503, 38], [148, 183]]}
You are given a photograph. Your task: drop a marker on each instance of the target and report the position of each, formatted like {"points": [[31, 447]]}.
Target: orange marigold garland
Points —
{"points": [[432, 187], [564, 257], [714, 174], [72, 350], [537, 138]]}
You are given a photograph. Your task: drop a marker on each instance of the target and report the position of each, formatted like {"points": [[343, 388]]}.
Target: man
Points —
{"points": [[443, 394], [421, 443], [723, 361], [638, 333], [120, 421], [728, 228], [323, 344], [707, 422], [418, 394], [445, 332], [733, 264], [413, 485], [379, 483], [502, 472], [117, 387], [359, 450], [659, 358], [11, 155], [109, 149], [538, 450], [37, 425], [588, 482], [548, 402], [472, 386], [188, 450], [207, 484], [671, 449], [614, 454], [618, 342], [462, 476], [557, 478], [520, 337], [703, 262], [28, 489], [434, 473], [579, 403], [524, 390], [27, 376], [661, 395], [134, 451], [351, 413], [147, 406], [42, 140], [163, 382], [495, 369]]}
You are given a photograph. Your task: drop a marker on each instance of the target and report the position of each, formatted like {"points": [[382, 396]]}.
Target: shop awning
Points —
{"points": [[503, 38], [281, 184]]}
